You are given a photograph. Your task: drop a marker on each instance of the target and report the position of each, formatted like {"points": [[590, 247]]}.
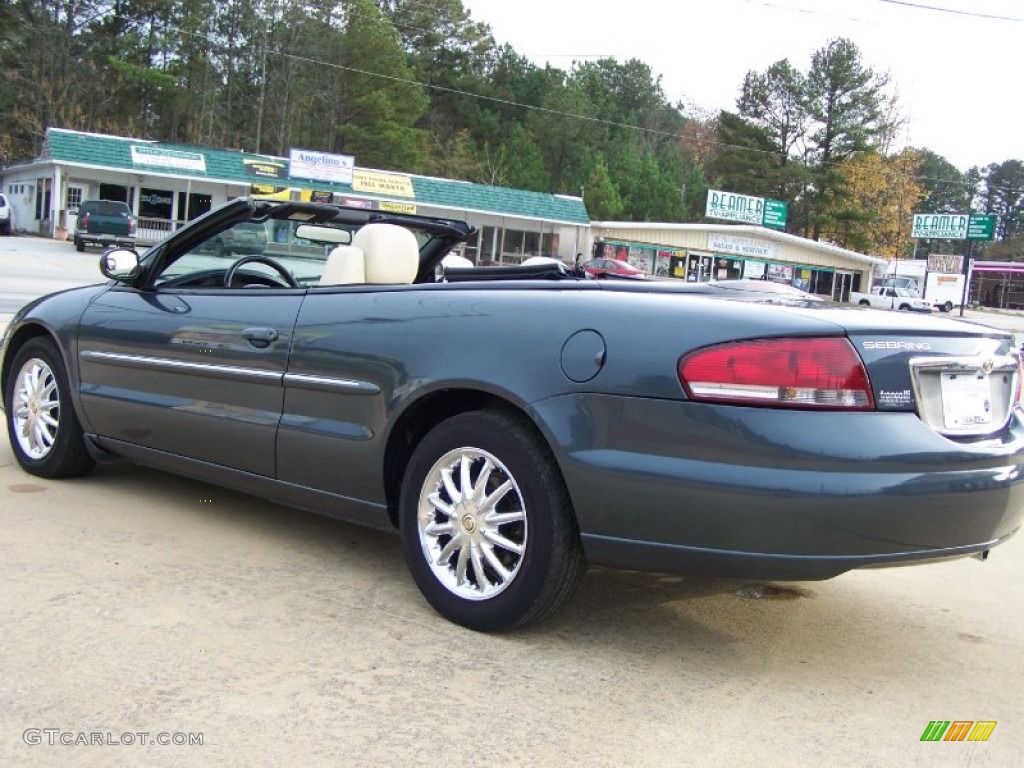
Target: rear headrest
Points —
{"points": [[390, 253]]}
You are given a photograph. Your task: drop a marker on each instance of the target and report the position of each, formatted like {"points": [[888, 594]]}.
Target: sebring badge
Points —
{"points": [[913, 346]]}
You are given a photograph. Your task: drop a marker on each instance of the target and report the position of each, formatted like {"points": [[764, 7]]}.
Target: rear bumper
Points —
{"points": [[761, 493], [106, 240], [670, 558]]}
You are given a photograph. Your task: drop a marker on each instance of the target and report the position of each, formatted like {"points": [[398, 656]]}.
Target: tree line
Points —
{"points": [[419, 86]]}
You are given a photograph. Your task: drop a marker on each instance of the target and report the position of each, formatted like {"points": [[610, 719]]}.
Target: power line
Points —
{"points": [[957, 11]]}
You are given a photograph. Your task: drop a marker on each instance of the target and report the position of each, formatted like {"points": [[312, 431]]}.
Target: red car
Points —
{"points": [[602, 267]]}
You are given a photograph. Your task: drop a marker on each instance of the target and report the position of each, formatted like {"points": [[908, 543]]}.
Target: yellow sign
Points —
{"points": [[397, 207], [269, 192], [382, 183]]}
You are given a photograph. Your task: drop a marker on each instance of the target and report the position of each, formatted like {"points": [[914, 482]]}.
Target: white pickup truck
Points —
{"points": [[888, 297]]}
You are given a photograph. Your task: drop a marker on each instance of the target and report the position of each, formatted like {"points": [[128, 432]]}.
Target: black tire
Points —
{"points": [[904, 307], [79, 245], [947, 307], [59, 449], [865, 303], [546, 571]]}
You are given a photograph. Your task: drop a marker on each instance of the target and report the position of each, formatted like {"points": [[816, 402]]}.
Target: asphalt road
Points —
{"points": [[134, 603]]}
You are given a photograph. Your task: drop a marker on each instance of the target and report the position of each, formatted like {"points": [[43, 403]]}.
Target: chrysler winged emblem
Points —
{"points": [[987, 366]]}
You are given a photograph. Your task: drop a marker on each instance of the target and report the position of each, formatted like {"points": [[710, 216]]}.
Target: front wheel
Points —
{"points": [[904, 307], [44, 430], [487, 527], [865, 303]]}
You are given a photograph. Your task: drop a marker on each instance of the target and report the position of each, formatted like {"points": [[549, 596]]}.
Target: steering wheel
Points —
{"points": [[229, 276]]}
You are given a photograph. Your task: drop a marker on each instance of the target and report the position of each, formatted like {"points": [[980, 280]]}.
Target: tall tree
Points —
{"points": [[873, 214], [845, 103], [1002, 194]]}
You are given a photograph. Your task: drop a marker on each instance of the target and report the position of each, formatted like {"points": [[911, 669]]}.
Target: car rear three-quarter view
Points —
{"points": [[803, 456], [515, 424]]}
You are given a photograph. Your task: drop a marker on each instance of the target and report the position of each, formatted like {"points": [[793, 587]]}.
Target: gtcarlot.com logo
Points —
{"points": [[59, 737], [958, 730]]}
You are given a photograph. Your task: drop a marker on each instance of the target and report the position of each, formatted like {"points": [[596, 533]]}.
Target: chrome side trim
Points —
{"points": [[209, 370], [328, 384]]}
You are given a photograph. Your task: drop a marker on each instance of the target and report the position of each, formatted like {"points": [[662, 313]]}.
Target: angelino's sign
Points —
{"points": [[320, 166], [941, 226], [728, 205]]}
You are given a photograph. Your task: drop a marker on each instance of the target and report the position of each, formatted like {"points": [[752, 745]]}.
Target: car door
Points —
{"points": [[188, 367]]}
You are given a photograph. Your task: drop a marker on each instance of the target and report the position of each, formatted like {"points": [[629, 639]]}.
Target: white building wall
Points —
{"points": [[788, 249]]}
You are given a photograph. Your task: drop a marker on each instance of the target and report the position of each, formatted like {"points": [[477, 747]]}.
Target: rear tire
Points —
{"points": [[79, 244], [44, 430], [487, 527], [947, 307]]}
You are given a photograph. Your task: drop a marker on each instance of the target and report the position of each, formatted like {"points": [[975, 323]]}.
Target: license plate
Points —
{"points": [[966, 400]]}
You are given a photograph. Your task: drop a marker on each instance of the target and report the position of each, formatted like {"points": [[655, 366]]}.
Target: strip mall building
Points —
{"points": [[168, 184]]}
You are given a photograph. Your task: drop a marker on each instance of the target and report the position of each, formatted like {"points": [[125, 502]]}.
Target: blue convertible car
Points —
{"points": [[516, 423]]}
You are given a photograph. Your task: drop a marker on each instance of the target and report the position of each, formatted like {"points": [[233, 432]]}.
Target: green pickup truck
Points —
{"points": [[104, 223]]}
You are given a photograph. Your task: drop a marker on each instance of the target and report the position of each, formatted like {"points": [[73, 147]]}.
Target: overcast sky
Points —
{"points": [[958, 77]]}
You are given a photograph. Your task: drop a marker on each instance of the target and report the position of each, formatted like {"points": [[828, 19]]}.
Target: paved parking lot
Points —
{"points": [[138, 603]]}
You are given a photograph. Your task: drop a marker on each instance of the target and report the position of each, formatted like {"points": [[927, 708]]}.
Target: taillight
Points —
{"points": [[131, 226], [84, 221], [825, 374]]}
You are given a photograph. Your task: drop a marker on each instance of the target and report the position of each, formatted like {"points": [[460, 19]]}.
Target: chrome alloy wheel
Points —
{"points": [[472, 523], [35, 408]]}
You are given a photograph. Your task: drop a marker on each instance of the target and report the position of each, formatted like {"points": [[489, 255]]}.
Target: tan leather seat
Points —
{"points": [[344, 266], [390, 253], [380, 254]]}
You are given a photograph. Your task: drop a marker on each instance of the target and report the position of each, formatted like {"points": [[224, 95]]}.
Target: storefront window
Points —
{"points": [[197, 205], [114, 192], [531, 244], [155, 203]]}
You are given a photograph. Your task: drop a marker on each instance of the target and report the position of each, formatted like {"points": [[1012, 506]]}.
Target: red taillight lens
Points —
{"points": [[84, 221], [131, 226], [825, 374]]}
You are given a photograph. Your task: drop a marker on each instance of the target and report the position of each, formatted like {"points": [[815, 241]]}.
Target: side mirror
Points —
{"points": [[121, 264]]}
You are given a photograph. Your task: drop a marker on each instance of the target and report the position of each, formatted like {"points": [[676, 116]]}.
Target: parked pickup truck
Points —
{"points": [[888, 297], [104, 223]]}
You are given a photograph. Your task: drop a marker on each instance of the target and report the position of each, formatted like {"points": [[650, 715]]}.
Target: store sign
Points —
{"points": [[265, 167], [155, 198], [384, 205], [774, 213], [320, 166], [981, 227], [727, 205], [356, 202], [744, 246], [940, 226], [168, 158], [269, 192], [946, 263], [746, 209], [377, 183]]}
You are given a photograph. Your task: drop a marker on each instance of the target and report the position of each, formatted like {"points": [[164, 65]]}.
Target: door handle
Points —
{"points": [[260, 337]]}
